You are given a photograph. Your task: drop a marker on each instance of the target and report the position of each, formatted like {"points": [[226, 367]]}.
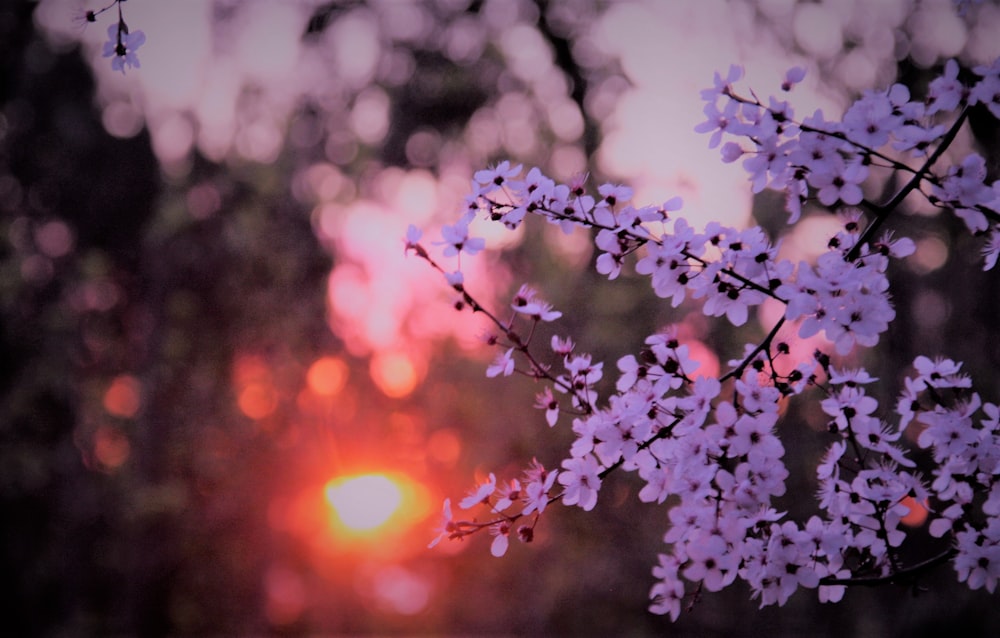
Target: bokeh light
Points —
{"points": [[111, 447], [123, 397], [918, 513], [286, 595], [395, 373], [327, 376], [257, 400]]}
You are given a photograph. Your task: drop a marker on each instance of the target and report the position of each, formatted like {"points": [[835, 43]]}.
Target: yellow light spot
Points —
{"points": [[364, 503], [327, 376]]}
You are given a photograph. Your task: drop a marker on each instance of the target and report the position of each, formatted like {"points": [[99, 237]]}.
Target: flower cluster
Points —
{"points": [[708, 448], [122, 44], [531, 494], [830, 160]]}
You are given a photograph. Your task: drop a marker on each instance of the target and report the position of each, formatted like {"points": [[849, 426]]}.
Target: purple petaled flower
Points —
{"points": [[503, 364], [582, 480], [122, 45], [481, 494], [793, 76]]}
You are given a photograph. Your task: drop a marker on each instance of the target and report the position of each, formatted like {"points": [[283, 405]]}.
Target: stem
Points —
{"points": [[765, 344], [519, 344], [892, 163], [882, 212], [905, 575], [662, 433], [639, 240]]}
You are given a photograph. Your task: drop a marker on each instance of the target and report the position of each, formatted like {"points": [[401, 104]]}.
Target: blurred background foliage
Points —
{"points": [[206, 314]]}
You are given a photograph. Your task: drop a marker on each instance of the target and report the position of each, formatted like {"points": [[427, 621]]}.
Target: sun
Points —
{"points": [[365, 502]]}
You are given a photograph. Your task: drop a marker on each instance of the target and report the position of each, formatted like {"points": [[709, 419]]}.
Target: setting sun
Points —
{"points": [[364, 503], [369, 511]]}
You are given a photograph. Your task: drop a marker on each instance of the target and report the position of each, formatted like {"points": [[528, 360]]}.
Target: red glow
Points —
{"points": [[258, 400], [122, 397], [917, 514], [444, 446], [256, 395], [111, 447], [286, 595]]}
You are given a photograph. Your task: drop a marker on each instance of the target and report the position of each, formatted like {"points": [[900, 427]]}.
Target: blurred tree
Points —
{"points": [[112, 277]]}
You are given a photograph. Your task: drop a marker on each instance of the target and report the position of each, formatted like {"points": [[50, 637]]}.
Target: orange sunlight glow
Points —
{"points": [[372, 513], [327, 376], [395, 373], [368, 513]]}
